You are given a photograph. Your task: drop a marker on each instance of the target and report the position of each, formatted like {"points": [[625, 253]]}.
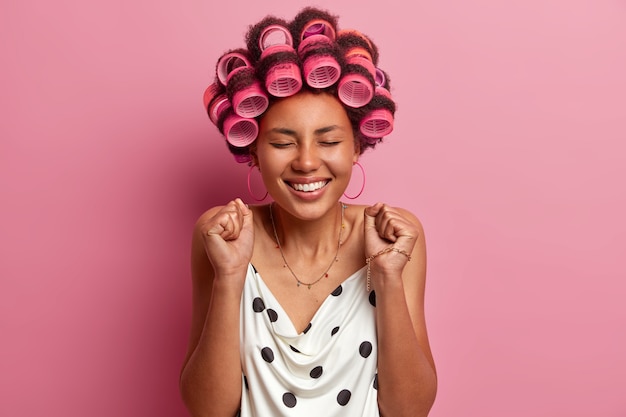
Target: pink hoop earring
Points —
{"points": [[362, 186], [250, 187]]}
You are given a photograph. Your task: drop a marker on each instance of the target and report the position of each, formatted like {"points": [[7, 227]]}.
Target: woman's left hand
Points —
{"points": [[385, 227]]}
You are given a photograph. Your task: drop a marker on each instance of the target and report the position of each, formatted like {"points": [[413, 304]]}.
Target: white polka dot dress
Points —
{"points": [[329, 370]]}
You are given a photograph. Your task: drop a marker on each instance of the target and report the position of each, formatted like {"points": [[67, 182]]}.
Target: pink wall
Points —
{"points": [[509, 145]]}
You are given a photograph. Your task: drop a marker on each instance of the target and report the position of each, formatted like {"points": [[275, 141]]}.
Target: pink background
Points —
{"points": [[509, 145]]}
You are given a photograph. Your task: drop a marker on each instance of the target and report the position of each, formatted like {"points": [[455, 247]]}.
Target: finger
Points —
{"points": [[390, 229], [216, 229], [243, 207], [237, 218], [246, 215], [383, 221], [370, 214], [227, 222]]}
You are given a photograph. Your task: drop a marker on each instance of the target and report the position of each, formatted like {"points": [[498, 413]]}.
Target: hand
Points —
{"points": [[385, 227], [229, 238]]}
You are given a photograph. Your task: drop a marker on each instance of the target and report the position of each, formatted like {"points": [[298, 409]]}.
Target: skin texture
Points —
{"points": [[307, 139]]}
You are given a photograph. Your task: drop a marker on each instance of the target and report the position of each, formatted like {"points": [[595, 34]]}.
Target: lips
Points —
{"points": [[308, 187]]}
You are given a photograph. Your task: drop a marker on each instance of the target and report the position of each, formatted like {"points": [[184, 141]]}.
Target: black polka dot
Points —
{"points": [[373, 298], [289, 400], [365, 349], [334, 331], [267, 354], [376, 381], [272, 315], [258, 305], [343, 397], [337, 291], [316, 372], [294, 349], [307, 328]]}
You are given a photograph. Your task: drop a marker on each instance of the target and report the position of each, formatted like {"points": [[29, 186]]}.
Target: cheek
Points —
{"points": [[342, 165]]}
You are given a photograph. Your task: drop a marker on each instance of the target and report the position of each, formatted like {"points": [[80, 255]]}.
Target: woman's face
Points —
{"points": [[305, 151]]}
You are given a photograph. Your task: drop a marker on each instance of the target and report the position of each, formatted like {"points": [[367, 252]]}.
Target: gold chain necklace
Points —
{"points": [[335, 258]]}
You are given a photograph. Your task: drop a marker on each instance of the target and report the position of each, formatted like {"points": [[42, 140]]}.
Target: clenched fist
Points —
{"points": [[228, 235], [386, 227]]}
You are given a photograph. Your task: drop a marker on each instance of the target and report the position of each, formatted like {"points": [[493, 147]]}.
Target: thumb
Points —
{"points": [[370, 214], [246, 213]]}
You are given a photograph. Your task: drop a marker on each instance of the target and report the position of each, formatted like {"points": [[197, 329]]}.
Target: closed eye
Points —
{"points": [[281, 145]]}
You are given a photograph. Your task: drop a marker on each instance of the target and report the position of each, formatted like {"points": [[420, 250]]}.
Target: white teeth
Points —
{"points": [[309, 187]]}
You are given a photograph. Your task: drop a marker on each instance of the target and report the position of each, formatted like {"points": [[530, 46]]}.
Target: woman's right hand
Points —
{"points": [[228, 239]]}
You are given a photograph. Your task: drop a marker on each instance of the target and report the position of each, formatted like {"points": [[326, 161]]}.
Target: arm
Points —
{"points": [[210, 380], [406, 371]]}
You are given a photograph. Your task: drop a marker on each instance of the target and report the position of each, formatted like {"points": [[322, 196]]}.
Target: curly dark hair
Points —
{"points": [[321, 58]]}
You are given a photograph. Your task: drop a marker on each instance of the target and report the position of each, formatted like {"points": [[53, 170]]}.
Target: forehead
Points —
{"points": [[305, 110]]}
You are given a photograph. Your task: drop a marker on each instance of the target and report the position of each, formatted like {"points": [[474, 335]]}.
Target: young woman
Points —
{"points": [[306, 306]]}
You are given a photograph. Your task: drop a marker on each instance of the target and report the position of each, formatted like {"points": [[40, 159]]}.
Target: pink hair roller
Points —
{"points": [[364, 62], [220, 105], [377, 123], [249, 101], [318, 27], [274, 35], [283, 79], [210, 92], [216, 102], [381, 80], [320, 71], [230, 64], [240, 131], [355, 90]]}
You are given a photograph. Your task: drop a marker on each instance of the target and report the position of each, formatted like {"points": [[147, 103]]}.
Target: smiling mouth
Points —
{"points": [[309, 187]]}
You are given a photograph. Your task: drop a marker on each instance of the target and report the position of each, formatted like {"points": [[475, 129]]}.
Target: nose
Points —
{"points": [[307, 159]]}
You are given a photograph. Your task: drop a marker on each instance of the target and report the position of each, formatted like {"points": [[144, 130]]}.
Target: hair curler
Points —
{"points": [[235, 71], [319, 54], [318, 27], [215, 102], [357, 86], [282, 77], [239, 131], [381, 80], [378, 122], [230, 63], [356, 89]]}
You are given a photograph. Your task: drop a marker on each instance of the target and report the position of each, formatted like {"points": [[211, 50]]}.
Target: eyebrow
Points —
{"points": [[317, 132]]}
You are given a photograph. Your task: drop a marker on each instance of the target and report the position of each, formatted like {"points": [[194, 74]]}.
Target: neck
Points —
{"points": [[307, 237]]}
